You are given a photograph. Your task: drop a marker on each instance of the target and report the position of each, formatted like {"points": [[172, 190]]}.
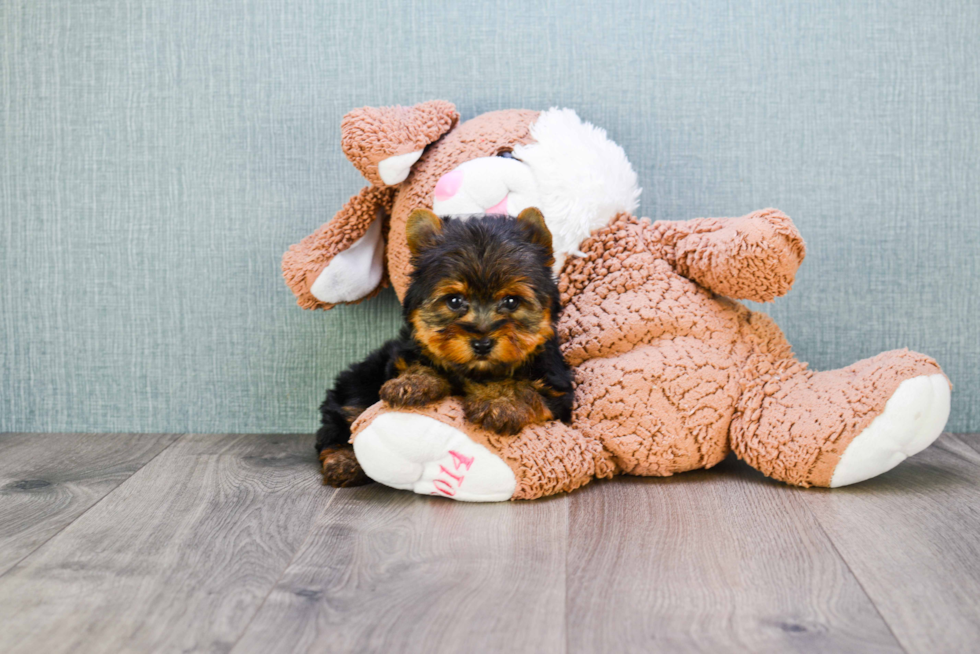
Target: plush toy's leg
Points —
{"points": [[913, 418], [658, 409], [434, 451], [842, 426]]}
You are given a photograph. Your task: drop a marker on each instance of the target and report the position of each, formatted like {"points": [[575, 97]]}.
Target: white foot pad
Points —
{"points": [[420, 454], [913, 418]]}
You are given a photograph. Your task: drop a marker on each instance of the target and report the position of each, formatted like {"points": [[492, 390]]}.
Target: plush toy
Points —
{"points": [[671, 372]]}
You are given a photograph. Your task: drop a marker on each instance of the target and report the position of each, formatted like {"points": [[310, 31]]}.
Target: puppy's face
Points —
{"points": [[482, 298], [480, 327]]}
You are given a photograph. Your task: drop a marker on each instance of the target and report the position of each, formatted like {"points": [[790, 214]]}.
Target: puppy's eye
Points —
{"points": [[506, 154], [456, 302], [510, 303]]}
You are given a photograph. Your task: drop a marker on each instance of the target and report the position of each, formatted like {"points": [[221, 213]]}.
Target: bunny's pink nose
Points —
{"points": [[448, 185]]}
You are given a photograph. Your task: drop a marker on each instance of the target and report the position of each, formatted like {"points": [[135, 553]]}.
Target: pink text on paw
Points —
{"points": [[448, 481]]}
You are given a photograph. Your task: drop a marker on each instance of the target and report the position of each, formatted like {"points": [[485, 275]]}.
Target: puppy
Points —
{"points": [[480, 322]]}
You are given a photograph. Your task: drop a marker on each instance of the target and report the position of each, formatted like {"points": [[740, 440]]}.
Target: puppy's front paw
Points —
{"points": [[505, 407], [499, 416], [414, 389]]}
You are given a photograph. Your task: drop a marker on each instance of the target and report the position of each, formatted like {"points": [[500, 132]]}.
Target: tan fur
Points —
{"points": [[450, 344], [514, 345], [518, 287]]}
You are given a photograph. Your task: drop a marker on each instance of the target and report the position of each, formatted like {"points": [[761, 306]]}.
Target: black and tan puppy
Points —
{"points": [[480, 318]]}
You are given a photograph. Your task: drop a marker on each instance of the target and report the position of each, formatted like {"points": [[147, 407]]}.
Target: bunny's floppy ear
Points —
{"points": [[384, 142], [343, 261]]}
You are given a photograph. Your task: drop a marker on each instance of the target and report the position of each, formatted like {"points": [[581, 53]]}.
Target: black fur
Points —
{"points": [[357, 386], [483, 250]]}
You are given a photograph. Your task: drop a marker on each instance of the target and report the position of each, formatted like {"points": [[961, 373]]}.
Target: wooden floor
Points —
{"points": [[228, 543]]}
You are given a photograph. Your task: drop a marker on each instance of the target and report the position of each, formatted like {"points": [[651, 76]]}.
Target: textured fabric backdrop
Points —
{"points": [[158, 156]]}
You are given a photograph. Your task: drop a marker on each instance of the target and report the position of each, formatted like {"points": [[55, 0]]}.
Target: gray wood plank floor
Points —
{"points": [[709, 561], [393, 572], [218, 543], [47, 482]]}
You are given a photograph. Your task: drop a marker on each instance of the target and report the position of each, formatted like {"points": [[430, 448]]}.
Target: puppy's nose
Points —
{"points": [[482, 346]]}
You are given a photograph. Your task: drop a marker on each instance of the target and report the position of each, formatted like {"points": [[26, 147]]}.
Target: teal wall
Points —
{"points": [[158, 156]]}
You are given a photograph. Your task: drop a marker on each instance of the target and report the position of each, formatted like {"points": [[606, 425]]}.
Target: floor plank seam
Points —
{"points": [[292, 559], [854, 574], [94, 504], [568, 539]]}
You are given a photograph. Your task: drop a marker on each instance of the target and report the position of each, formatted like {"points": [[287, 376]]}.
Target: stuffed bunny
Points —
{"points": [[671, 372]]}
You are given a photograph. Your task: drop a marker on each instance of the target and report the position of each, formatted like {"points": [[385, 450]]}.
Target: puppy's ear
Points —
{"points": [[384, 142], [422, 228], [533, 222]]}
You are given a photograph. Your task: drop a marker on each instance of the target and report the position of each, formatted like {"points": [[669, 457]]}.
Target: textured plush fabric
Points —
{"points": [[405, 130], [158, 157]]}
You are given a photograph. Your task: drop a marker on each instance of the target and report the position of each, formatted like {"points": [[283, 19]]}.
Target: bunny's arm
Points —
{"points": [[343, 261], [753, 257]]}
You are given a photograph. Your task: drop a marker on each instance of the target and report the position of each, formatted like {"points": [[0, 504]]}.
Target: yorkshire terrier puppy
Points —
{"points": [[480, 316]]}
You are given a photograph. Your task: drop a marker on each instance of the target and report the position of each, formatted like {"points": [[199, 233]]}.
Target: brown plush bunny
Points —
{"points": [[671, 372]]}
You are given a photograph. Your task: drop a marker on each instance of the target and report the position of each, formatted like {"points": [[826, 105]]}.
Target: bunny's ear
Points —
{"points": [[383, 143]]}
